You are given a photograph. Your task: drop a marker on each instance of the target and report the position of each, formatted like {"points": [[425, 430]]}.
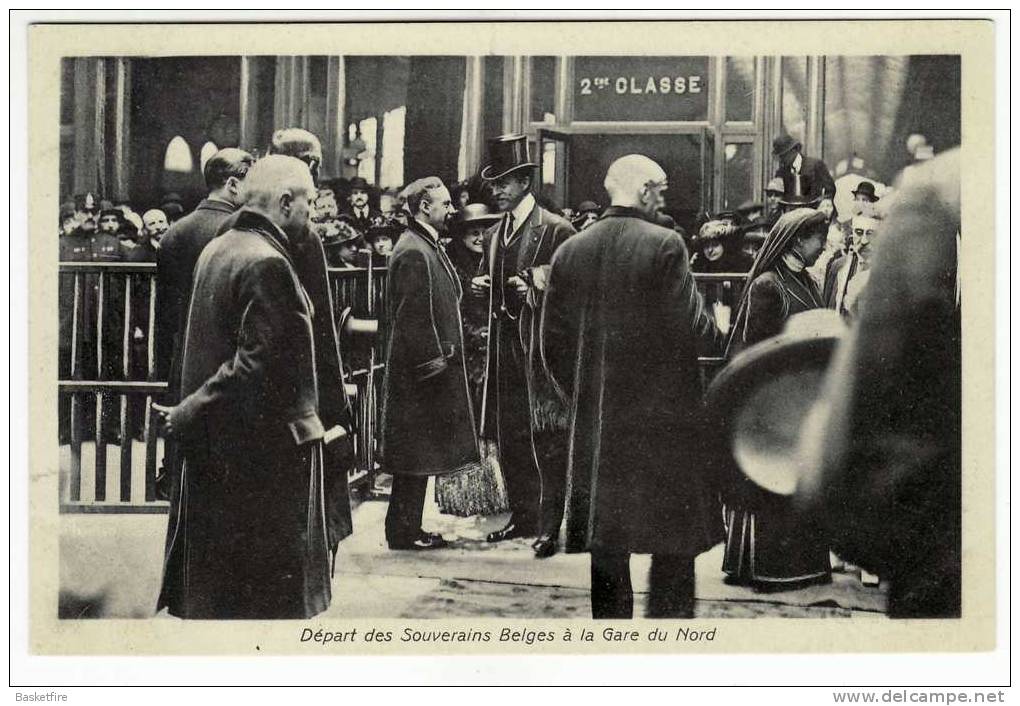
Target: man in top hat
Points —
{"points": [[587, 213], [361, 214], [521, 409], [806, 180]]}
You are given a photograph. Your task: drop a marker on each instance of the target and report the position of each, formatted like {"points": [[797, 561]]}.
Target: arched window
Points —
{"points": [[208, 150], [178, 156]]}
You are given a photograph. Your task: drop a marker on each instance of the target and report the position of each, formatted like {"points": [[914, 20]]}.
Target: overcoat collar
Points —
{"points": [[419, 231], [215, 205], [257, 223], [622, 212]]}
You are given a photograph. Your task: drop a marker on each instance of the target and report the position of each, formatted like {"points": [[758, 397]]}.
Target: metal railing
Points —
{"points": [[111, 448]]}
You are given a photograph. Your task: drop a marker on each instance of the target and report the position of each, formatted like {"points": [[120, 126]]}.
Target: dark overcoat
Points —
{"points": [[816, 180], [543, 233], [247, 531], [428, 426], [621, 330], [175, 267]]}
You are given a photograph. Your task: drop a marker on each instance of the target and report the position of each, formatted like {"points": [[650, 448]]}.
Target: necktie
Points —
{"points": [[509, 227]]}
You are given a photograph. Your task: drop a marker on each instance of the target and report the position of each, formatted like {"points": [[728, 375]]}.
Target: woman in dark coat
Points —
{"points": [[482, 492], [767, 545]]}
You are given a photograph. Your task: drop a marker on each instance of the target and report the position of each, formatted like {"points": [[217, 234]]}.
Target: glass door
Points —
{"points": [[554, 160]]}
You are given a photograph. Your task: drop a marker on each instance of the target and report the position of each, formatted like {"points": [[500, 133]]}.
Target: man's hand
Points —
{"points": [[163, 413], [519, 284], [480, 285], [339, 447]]}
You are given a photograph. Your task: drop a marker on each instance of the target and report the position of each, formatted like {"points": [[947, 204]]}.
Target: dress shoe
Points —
{"points": [[426, 540], [545, 546], [511, 531]]}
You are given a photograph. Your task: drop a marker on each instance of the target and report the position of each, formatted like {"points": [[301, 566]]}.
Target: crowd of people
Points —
{"points": [[514, 332]]}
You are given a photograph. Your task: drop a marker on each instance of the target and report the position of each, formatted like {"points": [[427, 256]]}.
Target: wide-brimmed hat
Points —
{"points": [[475, 214], [783, 144], [760, 399], [347, 234], [507, 153], [383, 228], [866, 189], [714, 230], [358, 183]]}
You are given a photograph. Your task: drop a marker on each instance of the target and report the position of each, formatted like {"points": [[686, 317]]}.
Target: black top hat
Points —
{"points": [[357, 183], [783, 144], [800, 201], [866, 189], [508, 153]]}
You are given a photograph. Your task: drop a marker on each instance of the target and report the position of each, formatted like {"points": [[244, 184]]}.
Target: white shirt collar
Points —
{"points": [[430, 230], [521, 213], [798, 162]]}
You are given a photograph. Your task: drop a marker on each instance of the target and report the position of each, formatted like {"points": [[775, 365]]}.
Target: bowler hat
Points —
{"points": [[783, 144], [357, 183], [507, 153], [866, 189], [588, 207]]}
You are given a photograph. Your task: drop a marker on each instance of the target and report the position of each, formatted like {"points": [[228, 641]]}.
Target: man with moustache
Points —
{"points": [[247, 532], [360, 213], [428, 426], [521, 410]]}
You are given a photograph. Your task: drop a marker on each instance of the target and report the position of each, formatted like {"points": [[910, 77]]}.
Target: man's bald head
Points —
{"points": [[631, 178], [281, 189]]}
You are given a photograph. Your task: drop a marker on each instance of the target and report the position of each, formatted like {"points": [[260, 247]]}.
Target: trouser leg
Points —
{"points": [[670, 587], [611, 593], [407, 501], [516, 455], [551, 449]]}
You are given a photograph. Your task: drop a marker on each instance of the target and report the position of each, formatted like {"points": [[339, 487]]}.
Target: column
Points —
{"points": [[120, 186], [336, 104], [472, 139]]}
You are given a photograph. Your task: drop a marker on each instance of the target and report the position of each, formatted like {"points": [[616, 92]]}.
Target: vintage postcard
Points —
{"points": [[512, 338]]}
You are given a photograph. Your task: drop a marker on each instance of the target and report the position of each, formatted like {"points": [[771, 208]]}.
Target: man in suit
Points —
{"points": [[361, 214], [247, 534], [520, 408], [806, 180], [621, 329], [428, 425], [179, 250]]}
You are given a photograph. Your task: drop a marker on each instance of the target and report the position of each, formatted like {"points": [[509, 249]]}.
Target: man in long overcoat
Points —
{"points": [[428, 425], [520, 409], [247, 531], [620, 335], [175, 266]]}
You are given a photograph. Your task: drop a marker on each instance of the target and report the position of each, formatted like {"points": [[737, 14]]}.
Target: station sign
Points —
{"points": [[640, 88]]}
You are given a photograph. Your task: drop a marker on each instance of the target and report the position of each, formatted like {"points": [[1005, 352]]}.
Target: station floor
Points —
{"points": [[110, 566]]}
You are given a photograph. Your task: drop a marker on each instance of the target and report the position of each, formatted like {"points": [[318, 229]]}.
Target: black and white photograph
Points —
{"points": [[477, 349]]}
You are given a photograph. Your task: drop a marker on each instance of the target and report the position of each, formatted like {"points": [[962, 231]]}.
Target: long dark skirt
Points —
{"points": [[772, 548]]}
